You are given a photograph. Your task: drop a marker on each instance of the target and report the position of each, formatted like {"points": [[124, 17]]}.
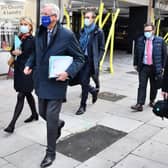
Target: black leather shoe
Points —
{"points": [[61, 124], [47, 161], [94, 96], [137, 108], [9, 129], [151, 104], [81, 110], [31, 118]]}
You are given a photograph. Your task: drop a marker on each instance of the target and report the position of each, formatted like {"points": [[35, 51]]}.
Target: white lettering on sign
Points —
{"points": [[12, 11]]}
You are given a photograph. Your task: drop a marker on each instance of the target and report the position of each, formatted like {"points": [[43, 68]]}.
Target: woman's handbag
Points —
{"points": [[11, 61], [161, 108]]}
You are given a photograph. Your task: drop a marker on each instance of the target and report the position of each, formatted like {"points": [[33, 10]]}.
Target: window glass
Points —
{"points": [[10, 13]]}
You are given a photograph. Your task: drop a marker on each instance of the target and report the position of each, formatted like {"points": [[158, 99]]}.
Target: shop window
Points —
{"points": [[10, 13]]}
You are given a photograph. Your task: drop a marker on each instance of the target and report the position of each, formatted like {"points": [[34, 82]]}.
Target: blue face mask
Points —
{"points": [[148, 34], [24, 29], [45, 21], [86, 22]]}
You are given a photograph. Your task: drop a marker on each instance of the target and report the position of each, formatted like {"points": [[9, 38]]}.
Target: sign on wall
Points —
{"points": [[12, 11]]}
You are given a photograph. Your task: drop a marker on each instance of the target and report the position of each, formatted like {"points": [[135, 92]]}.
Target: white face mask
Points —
{"points": [[148, 34], [87, 22], [24, 29]]}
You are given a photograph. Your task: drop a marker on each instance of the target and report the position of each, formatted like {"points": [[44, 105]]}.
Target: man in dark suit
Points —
{"points": [[149, 59], [92, 43], [52, 39]]}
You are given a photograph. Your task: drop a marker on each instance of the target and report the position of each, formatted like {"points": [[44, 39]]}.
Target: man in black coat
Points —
{"points": [[52, 40], [149, 58], [92, 43]]}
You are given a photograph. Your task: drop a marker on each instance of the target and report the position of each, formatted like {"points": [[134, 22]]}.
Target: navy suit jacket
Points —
{"points": [[62, 43]]}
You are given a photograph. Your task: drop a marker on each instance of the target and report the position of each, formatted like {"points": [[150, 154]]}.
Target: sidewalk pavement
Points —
{"points": [[145, 145]]}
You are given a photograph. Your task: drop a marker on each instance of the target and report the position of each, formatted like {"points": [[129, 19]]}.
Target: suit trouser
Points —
{"points": [[85, 74], [147, 72], [96, 81], [49, 111]]}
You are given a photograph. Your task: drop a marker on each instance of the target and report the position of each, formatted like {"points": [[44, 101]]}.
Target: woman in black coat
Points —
{"points": [[23, 84]]}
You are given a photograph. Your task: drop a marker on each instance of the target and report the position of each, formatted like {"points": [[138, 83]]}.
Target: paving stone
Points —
{"points": [[96, 162], [120, 123], [31, 131], [119, 149], [124, 110], [161, 137], [144, 133], [2, 162], [154, 151], [12, 143], [35, 131], [133, 161], [74, 124], [157, 121], [8, 166], [32, 156]]}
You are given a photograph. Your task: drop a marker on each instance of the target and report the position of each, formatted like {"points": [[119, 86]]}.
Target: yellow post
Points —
{"points": [[97, 18], [101, 9], [158, 28], [165, 36], [105, 20], [112, 46], [82, 20], [67, 18], [110, 37], [166, 40]]}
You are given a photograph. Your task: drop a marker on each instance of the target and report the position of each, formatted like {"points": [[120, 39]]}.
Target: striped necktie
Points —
{"points": [[49, 37]]}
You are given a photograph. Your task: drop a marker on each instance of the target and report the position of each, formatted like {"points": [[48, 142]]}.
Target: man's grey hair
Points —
{"points": [[54, 9]]}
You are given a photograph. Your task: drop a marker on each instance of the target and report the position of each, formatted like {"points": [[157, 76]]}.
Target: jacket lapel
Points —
{"points": [[42, 39]]}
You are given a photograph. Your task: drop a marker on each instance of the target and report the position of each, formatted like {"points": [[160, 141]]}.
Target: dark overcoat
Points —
{"points": [[96, 48], [62, 43], [22, 82]]}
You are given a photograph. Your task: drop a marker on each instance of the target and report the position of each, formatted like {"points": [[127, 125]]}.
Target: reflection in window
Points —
{"points": [[7, 30]]}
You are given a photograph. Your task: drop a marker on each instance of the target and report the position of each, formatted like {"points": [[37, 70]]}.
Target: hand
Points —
{"points": [[27, 71], [17, 52], [165, 95], [62, 76]]}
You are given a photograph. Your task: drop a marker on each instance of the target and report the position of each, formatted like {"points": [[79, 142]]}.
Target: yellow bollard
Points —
{"points": [[158, 28], [82, 20], [101, 9], [166, 40], [112, 47], [110, 37], [67, 18], [105, 20], [165, 36], [97, 18]]}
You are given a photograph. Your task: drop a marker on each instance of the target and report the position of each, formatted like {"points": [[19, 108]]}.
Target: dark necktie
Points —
{"points": [[49, 37]]}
